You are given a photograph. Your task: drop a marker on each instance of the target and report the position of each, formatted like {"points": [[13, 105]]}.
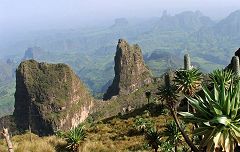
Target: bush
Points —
{"points": [[143, 124], [74, 137]]}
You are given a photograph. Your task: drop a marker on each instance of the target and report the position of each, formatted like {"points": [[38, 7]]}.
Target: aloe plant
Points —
{"points": [[74, 137], [173, 134], [188, 81], [219, 76], [218, 115], [153, 138], [169, 94]]}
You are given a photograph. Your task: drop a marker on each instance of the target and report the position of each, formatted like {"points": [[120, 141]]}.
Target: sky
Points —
{"points": [[50, 14]]}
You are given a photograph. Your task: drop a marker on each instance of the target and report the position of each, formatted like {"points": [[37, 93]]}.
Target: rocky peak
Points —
{"points": [[33, 53], [49, 97], [130, 71], [230, 66]]}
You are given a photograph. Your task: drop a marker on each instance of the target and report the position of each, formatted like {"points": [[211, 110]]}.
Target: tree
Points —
{"points": [[153, 138], [188, 82], [168, 93], [173, 134], [217, 114], [148, 95]]}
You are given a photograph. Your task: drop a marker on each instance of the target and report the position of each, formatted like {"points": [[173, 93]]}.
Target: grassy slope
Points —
{"points": [[116, 134]]}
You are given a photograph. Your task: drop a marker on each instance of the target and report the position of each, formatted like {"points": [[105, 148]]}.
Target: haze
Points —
{"points": [[23, 15], [19, 17]]}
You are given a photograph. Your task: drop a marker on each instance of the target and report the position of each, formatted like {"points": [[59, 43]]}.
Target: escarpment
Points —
{"points": [[49, 97], [131, 72]]}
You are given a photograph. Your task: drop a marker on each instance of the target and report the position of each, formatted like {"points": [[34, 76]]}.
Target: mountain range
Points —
{"points": [[90, 51]]}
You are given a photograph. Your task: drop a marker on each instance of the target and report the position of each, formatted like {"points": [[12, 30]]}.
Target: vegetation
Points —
{"points": [[173, 134], [143, 124], [217, 114], [90, 51], [148, 95], [168, 92], [153, 138], [188, 81], [74, 137]]}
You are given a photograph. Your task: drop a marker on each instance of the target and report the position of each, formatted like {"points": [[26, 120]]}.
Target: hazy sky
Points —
{"points": [[50, 14]]}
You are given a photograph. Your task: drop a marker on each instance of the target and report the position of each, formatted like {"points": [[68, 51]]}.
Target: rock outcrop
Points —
{"points": [[49, 97], [130, 71], [230, 66]]}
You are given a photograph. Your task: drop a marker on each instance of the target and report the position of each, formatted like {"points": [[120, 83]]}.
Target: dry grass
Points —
{"points": [[117, 134], [22, 143]]}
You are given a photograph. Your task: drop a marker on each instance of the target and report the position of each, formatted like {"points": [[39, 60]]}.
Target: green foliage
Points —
{"points": [[168, 93], [148, 95], [153, 138], [143, 124], [188, 81], [74, 138], [218, 76], [173, 133], [60, 134], [7, 99], [217, 114], [166, 147]]}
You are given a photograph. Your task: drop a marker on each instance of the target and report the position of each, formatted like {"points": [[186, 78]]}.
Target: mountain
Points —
{"points": [[131, 72], [229, 26], [7, 86], [49, 97], [6, 72], [186, 21], [90, 51], [34, 53]]}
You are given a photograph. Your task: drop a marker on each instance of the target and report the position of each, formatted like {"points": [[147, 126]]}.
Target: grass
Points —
{"points": [[117, 133], [22, 143]]}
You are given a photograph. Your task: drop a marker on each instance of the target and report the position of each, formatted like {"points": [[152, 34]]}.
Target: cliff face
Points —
{"points": [[130, 70], [230, 66], [49, 97]]}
